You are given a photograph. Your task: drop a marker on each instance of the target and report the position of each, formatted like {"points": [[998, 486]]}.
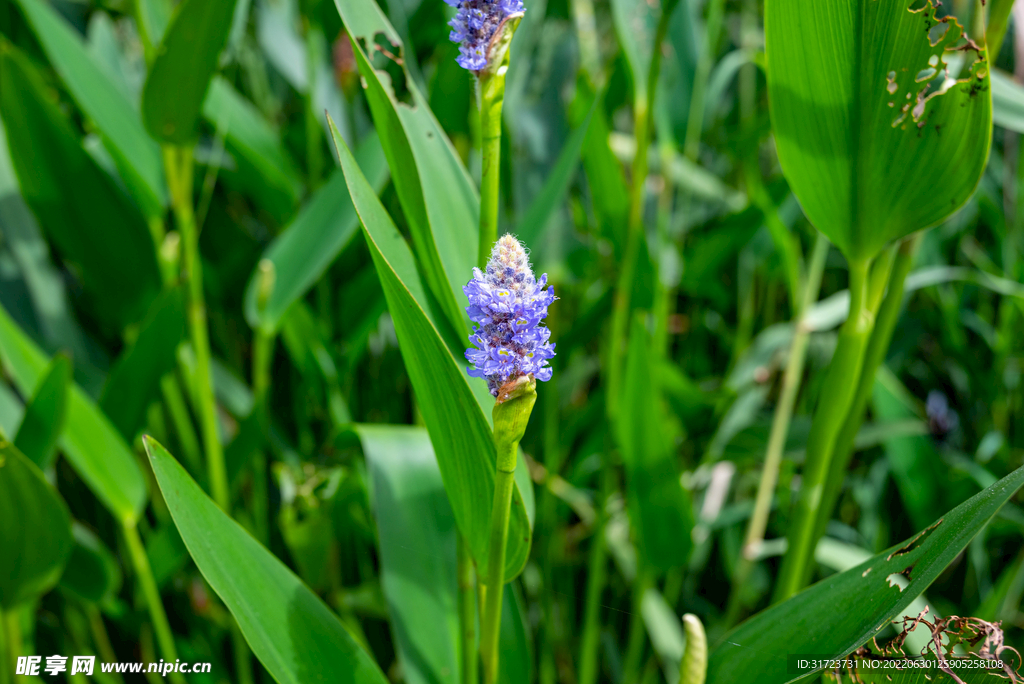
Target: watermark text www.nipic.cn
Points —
{"points": [[58, 664]]}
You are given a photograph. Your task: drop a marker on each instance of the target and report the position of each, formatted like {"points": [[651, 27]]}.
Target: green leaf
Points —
{"points": [[136, 154], [438, 198], [35, 530], [635, 22], [91, 222], [869, 149], [92, 445], [92, 573], [135, 378], [809, 622], [659, 507], [313, 240], [417, 550], [296, 637], [270, 174], [172, 98], [452, 408], [44, 415]]}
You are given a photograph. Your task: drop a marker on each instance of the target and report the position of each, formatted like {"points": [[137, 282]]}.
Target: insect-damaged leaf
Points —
{"points": [[809, 622], [877, 132], [436, 193]]}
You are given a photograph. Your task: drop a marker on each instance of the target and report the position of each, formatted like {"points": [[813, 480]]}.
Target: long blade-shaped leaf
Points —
{"points": [[136, 154], [172, 98], [452, 409], [876, 136], [90, 220], [417, 550], [92, 445], [313, 240], [35, 529], [437, 196], [296, 637], [809, 621]]}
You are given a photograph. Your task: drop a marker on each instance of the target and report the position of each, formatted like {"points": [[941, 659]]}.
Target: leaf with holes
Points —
{"points": [[869, 595], [878, 133]]}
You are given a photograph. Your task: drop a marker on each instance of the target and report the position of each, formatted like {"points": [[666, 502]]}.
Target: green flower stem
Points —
{"points": [[178, 166], [492, 96], [467, 614], [262, 356], [151, 594], [841, 381], [885, 324], [780, 428], [511, 415]]}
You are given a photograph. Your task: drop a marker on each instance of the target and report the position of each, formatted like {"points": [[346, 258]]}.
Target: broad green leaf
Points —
{"points": [[418, 567], [89, 219], [660, 509], [437, 196], [134, 379], [172, 98], [136, 154], [92, 573], [809, 621], [313, 240], [91, 444], [417, 550], [877, 137], [256, 149], [296, 637], [44, 415], [35, 530], [452, 408]]}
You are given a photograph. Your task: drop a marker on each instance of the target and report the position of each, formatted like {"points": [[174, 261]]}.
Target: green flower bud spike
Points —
{"points": [[511, 414], [694, 667]]}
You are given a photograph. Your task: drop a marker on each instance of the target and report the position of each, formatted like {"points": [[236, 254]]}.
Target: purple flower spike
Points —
{"points": [[475, 24], [508, 304]]}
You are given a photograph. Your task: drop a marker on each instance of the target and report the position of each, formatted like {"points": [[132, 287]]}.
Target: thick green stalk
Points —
{"points": [[262, 356], [492, 96], [780, 428], [150, 592], [467, 614], [885, 324], [178, 165], [511, 415], [841, 382]]}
